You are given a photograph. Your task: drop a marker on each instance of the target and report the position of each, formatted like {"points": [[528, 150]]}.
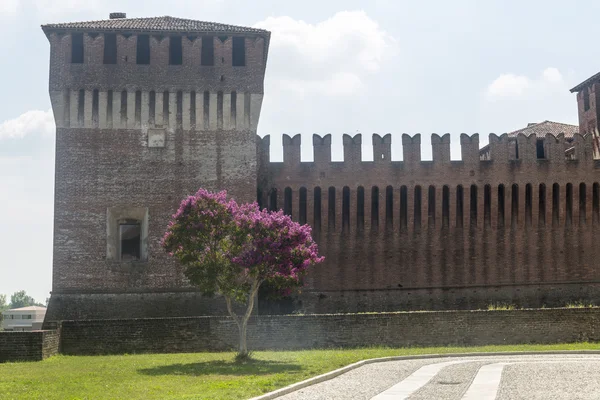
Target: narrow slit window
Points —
{"points": [[360, 208], [542, 205], [143, 50], [130, 240], [287, 201], [582, 204], [109, 108], [273, 200], [528, 204], [374, 208], [152, 111], [179, 115], [81, 107], [233, 108], [473, 207], [345, 209], [207, 57], [239, 51], [514, 205], [302, 205], [77, 48], [124, 108], [166, 108], [555, 204], [138, 107], [403, 208], [219, 110], [317, 208], [389, 208], [175, 50], [331, 208], [445, 207], [110, 48], [193, 109], [417, 208], [501, 206], [487, 206], [460, 206], [596, 203], [431, 206], [569, 205], [206, 109], [95, 106]]}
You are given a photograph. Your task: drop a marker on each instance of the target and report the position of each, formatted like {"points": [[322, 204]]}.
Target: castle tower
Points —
{"points": [[147, 110], [588, 108]]}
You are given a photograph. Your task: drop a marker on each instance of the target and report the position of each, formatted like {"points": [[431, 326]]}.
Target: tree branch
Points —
{"points": [[230, 310]]}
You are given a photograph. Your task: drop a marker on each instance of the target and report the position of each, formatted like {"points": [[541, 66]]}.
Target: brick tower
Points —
{"points": [[147, 110]]}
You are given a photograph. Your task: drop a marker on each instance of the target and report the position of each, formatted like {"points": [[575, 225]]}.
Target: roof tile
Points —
{"points": [[164, 24]]}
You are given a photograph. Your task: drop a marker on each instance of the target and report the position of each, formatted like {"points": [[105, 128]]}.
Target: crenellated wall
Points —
{"points": [[442, 234]]}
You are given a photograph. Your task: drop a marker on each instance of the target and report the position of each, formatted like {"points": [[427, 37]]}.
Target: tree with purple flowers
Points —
{"points": [[232, 249]]}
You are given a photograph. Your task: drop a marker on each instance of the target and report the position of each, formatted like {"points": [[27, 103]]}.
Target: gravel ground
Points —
{"points": [[545, 377]]}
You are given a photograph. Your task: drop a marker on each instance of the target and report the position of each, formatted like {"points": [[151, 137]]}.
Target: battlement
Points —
{"points": [[518, 149]]}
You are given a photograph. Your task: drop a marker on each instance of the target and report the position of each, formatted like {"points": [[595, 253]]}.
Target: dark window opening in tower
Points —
{"points": [[555, 204], [431, 207], [345, 209], [207, 56], [317, 208], [143, 50], [389, 208], [582, 204], [77, 48], [514, 205], [539, 149], [374, 208], [569, 205], [586, 99], [487, 205], [287, 201], [417, 208], [473, 207], [239, 52], [528, 204], [110, 48], [175, 50], [302, 204], [130, 235], [542, 205], [331, 208], [501, 208], [360, 208], [460, 207], [445, 207]]}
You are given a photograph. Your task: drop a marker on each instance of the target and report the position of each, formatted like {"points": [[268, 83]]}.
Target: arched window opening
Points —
{"points": [[431, 207], [460, 206], [403, 208], [345, 209], [302, 204], [331, 208], [360, 208], [514, 205], [501, 206], [542, 205], [528, 204], [445, 207], [473, 207], [569, 205], [487, 206], [287, 201], [317, 208], [555, 204], [389, 208], [582, 204], [417, 208], [374, 208]]}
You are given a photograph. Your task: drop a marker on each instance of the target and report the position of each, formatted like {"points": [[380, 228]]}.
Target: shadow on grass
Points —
{"points": [[253, 367]]}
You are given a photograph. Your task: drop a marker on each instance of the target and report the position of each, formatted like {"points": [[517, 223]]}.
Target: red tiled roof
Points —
{"points": [[163, 24], [541, 129]]}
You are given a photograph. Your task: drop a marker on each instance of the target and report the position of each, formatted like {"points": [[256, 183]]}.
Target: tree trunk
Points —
{"points": [[242, 322]]}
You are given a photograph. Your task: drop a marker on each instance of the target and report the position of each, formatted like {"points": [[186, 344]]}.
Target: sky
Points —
{"points": [[377, 66]]}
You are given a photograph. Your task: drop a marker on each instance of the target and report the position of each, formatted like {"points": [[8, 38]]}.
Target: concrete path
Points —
{"points": [[547, 377]]}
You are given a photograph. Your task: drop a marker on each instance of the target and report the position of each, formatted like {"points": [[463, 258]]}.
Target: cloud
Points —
{"points": [[331, 57], [510, 85], [34, 122], [8, 8]]}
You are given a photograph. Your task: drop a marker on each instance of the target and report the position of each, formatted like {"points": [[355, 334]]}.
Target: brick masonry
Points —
{"points": [[28, 346], [461, 328], [411, 234]]}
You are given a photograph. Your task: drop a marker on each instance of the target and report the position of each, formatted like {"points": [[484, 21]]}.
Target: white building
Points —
{"points": [[23, 319]]}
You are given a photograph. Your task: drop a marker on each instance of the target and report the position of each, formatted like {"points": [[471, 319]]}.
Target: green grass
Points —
{"points": [[196, 376], [501, 307]]}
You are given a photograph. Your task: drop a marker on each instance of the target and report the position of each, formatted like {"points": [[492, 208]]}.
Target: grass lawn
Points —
{"points": [[196, 376]]}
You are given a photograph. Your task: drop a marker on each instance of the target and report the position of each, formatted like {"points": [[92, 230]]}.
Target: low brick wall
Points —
{"points": [[28, 346], [166, 335]]}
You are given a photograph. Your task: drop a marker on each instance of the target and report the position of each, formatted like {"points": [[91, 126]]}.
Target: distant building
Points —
{"points": [[23, 319]]}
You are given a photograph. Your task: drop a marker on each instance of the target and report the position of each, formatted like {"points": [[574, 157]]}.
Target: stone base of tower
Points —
{"points": [[80, 306]]}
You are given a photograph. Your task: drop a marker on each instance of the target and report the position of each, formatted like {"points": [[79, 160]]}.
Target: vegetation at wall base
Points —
{"points": [[198, 375]]}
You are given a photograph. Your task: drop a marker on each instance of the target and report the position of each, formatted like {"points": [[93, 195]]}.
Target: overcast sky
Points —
{"points": [[377, 66]]}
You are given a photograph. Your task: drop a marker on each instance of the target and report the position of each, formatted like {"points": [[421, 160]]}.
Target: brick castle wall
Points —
{"points": [[442, 234], [460, 328], [28, 346]]}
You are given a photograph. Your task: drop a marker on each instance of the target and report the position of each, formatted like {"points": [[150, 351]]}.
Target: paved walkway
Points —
{"points": [[546, 377]]}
